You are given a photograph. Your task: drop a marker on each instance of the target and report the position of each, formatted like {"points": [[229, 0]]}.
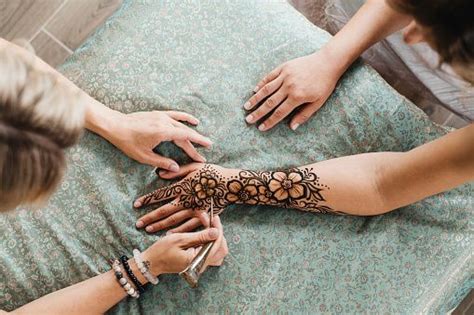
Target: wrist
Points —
{"points": [[339, 59], [155, 267], [102, 120], [136, 271]]}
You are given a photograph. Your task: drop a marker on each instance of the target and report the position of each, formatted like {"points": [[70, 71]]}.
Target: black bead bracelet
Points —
{"points": [[126, 266]]}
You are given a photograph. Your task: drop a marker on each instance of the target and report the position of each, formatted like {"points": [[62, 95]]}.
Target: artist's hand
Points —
{"points": [[173, 253], [304, 83], [136, 134], [190, 198]]}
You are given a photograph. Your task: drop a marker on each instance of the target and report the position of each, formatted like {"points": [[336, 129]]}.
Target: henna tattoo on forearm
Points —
{"points": [[293, 188], [297, 188]]}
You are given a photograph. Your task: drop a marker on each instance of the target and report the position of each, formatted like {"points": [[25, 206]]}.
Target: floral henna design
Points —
{"points": [[195, 192], [294, 188]]}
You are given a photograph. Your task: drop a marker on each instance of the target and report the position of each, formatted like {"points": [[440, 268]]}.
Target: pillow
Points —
{"points": [[205, 58]]}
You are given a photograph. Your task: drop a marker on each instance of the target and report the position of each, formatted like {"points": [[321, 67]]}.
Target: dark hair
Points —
{"points": [[450, 25]]}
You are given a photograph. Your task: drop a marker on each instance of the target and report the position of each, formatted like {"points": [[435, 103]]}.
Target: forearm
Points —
{"points": [[363, 184], [344, 185], [98, 116], [374, 21], [92, 296]]}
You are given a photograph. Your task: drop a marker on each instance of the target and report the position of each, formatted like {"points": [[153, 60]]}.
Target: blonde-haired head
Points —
{"points": [[39, 118]]}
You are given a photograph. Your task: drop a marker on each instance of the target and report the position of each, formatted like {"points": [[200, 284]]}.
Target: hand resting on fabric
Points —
{"points": [[136, 135]]}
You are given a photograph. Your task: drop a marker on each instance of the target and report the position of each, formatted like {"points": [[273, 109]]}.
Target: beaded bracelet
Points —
{"points": [[126, 266], [143, 266], [123, 280]]}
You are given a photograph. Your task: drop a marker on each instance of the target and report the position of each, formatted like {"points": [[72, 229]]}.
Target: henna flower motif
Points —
{"points": [[238, 192], [264, 195], [205, 188], [284, 185]]}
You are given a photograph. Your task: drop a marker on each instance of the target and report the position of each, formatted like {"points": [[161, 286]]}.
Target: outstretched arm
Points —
{"points": [[135, 134], [171, 254], [365, 184]]}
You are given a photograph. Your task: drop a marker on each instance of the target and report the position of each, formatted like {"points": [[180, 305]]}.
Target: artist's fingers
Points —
{"points": [[158, 214], [191, 151], [183, 117], [161, 194], [263, 93], [183, 171], [220, 249], [183, 133], [268, 78], [159, 161], [222, 252], [272, 102], [188, 226], [279, 114], [195, 239], [170, 221], [305, 114]]}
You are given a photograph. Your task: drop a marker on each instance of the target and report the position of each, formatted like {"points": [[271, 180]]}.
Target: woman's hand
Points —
{"points": [[191, 198], [137, 134], [305, 82], [173, 253]]}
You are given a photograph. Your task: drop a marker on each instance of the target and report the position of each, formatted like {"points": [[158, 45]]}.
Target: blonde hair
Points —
{"points": [[39, 118]]}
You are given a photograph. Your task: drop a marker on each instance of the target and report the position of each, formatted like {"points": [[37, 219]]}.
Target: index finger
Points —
{"points": [[161, 194], [268, 78], [182, 133]]}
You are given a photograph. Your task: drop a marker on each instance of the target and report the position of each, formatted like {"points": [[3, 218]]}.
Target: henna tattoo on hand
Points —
{"points": [[297, 188]]}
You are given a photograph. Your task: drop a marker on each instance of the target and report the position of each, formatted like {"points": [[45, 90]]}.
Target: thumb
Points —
{"points": [[199, 238], [162, 162]]}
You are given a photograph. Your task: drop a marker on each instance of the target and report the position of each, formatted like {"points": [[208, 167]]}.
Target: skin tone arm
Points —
{"points": [[364, 185], [171, 254], [135, 134], [307, 82]]}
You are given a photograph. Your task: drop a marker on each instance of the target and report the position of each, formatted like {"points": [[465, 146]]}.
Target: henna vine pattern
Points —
{"points": [[293, 188]]}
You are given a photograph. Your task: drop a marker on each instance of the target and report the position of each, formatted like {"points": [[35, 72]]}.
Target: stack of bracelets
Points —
{"points": [[123, 278]]}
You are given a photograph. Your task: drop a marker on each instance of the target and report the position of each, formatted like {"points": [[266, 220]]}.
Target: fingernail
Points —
{"points": [[295, 126], [203, 159], [247, 105], [255, 89], [261, 127], [213, 233], [149, 228], [169, 232], [174, 167], [163, 173], [196, 121], [139, 224], [249, 119], [137, 204]]}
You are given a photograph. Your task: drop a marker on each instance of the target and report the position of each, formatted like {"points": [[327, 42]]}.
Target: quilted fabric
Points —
{"points": [[204, 58]]}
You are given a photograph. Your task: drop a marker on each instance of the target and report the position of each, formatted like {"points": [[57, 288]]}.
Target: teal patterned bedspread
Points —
{"points": [[205, 57]]}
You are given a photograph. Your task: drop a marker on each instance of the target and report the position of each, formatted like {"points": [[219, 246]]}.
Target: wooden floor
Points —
{"points": [[55, 28]]}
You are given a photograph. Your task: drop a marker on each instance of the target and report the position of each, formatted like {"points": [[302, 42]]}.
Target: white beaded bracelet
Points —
{"points": [[143, 267], [123, 280]]}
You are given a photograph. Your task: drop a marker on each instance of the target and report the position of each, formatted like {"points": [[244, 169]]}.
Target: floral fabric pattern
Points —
{"points": [[205, 57]]}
